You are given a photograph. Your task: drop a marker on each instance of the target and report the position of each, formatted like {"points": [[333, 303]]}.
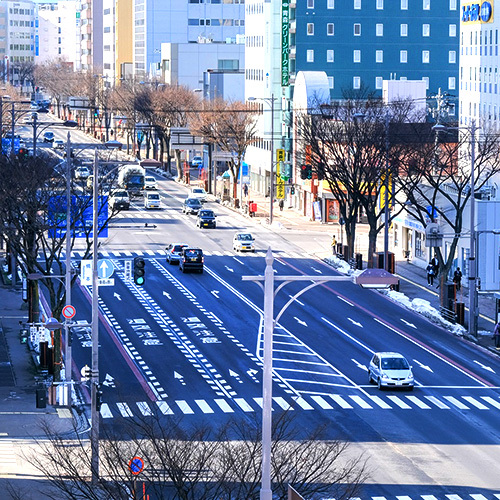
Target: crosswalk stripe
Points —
{"points": [[453, 497], [341, 401], [243, 404], [428, 497], [497, 495], [378, 498], [397, 400], [379, 401], [164, 408], [259, 401], [437, 402], [478, 496], [492, 402], [302, 403], [281, 401], [418, 402], [205, 407], [184, 407], [456, 402], [404, 497], [475, 403], [124, 410], [361, 402], [105, 411], [322, 402], [144, 408], [224, 406]]}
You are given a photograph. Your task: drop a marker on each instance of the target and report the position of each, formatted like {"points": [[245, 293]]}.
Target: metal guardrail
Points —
{"points": [[447, 314]]}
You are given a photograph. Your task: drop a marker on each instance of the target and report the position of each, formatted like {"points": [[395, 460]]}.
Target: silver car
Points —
{"points": [[390, 369], [174, 252]]}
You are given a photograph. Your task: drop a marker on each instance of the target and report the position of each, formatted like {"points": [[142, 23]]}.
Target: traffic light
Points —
{"points": [[96, 112], [98, 397], [139, 271], [320, 171], [309, 172], [23, 153], [303, 171]]}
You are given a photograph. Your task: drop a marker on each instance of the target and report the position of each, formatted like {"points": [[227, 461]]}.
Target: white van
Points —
{"points": [[151, 199]]}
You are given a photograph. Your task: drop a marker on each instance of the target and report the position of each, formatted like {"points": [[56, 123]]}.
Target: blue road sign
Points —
{"points": [[136, 465], [105, 268], [7, 144]]}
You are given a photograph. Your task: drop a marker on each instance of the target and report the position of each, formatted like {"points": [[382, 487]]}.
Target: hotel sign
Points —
{"points": [[477, 13], [285, 47]]}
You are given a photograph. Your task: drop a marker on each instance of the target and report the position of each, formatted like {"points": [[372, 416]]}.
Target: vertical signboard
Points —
{"points": [[285, 29]]}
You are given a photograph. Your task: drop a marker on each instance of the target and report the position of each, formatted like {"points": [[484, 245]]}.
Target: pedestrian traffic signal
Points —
{"points": [[139, 271], [306, 171], [98, 397]]}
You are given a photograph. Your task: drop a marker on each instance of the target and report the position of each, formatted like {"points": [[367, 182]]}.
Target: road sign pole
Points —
{"points": [[67, 281]]}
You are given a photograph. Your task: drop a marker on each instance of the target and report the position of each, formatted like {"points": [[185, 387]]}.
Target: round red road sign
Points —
{"points": [[136, 465], [68, 311]]}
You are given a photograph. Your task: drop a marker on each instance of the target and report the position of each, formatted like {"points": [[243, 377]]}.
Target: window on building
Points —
{"points": [[452, 57], [426, 30], [356, 82], [453, 4], [310, 4], [310, 28], [380, 4], [404, 4], [426, 56], [426, 4], [378, 82], [426, 80], [379, 56], [357, 29], [452, 30], [403, 30], [331, 82], [330, 56], [403, 56], [330, 4], [451, 83], [357, 4], [356, 56], [379, 29], [330, 29], [310, 55]]}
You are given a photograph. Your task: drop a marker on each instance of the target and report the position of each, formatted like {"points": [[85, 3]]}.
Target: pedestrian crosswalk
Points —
{"points": [[8, 458], [325, 402], [441, 496]]}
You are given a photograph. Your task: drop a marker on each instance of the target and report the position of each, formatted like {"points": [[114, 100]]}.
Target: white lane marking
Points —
{"points": [[259, 401], [398, 401], [117, 295], [475, 403], [324, 404], [454, 497], [215, 293], [124, 409], [105, 411], [243, 404], [299, 321], [491, 401], [237, 260], [361, 402], [425, 367], [404, 497], [341, 401], [428, 497], [359, 365], [379, 401], [345, 300], [296, 300], [204, 406], [164, 408], [184, 407], [229, 269], [486, 367], [224, 406], [437, 402], [418, 402], [302, 403], [144, 408], [357, 323], [281, 401], [407, 323], [478, 497], [456, 402]]}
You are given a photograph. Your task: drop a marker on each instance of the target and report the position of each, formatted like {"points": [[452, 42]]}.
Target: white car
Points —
{"points": [[150, 182], [152, 199], [243, 241], [59, 144], [391, 370], [198, 193], [82, 173]]}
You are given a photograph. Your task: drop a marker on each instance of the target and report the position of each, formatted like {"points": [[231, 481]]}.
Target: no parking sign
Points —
{"points": [[68, 311]]}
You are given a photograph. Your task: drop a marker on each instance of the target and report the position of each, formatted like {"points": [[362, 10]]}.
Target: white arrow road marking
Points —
{"points": [[345, 300], [251, 373], [484, 366], [316, 270], [215, 293], [109, 380], [229, 269], [297, 300], [166, 294], [117, 296], [408, 323], [425, 367], [303, 323], [355, 322], [179, 377], [235, 375], [359, 365]]}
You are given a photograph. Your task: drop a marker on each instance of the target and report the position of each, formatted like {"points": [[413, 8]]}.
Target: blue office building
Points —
{"points": [[360, 43]]}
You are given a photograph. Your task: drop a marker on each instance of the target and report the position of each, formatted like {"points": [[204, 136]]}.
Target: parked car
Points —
{"points": [[191, 206], [48, 136], [152, 199], [206, 218], [243, 241], [82, 173], [390, 369], [191, 260], [150, 182], [59, 144], [197, 161], [199, 193], [119, 200], [174, 252]]}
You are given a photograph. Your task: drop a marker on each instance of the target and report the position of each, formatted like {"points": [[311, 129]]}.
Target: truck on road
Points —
{"points": [[131, 178]]}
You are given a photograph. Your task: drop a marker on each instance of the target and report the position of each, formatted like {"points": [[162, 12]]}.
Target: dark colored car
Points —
{"points": [[174, 252], [191, 260], [191, 206], [206, 218], [48, 137]]}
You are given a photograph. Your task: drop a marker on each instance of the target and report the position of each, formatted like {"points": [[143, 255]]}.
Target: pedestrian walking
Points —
{"points": [[430, 274], [496, 335], [457, 278], [435, 265], [281, 204], [245, 189], [334, 245]]}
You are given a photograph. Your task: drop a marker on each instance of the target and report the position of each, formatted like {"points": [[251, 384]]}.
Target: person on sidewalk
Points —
{"points": [[430, 274], [435, 265], [496, 335], [281, 204], [245, 189], [457, 278], [334, 245]]}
